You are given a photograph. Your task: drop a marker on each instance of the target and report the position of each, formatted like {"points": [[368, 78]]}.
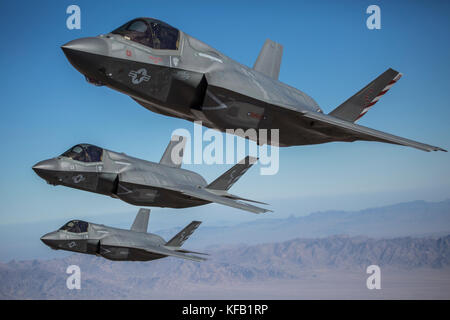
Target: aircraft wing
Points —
{"points": [[166, 252], [342, 127], [211, 197]]}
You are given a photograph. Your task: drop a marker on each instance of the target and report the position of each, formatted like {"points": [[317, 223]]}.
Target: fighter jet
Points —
{"points": [[171, 73], [144, 183], [120, 244]]}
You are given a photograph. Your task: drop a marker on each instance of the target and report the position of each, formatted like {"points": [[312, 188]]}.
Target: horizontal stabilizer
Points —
{"points": [[183, 235], [163, 251], [226, 180], [232, 196], [189, 251], [357, 132], [211, 196], [140, 223], [173, 156], [269, 59], [358, 105], [224, 193]]}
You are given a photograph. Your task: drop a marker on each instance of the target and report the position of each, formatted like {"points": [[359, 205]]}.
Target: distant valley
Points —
{"points": [[323, 255]]}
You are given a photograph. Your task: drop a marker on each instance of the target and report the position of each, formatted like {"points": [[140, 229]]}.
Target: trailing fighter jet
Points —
{"points": [[171, 73], [120, 244], [144, 183]]}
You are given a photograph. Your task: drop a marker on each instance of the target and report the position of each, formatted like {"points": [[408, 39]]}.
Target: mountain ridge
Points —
{"points": [[416, 218], [235, 266]]}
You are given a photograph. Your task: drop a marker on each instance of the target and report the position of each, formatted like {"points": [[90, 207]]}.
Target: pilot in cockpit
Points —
{"points": [[151, 33], [84, 153], [75, 226]]}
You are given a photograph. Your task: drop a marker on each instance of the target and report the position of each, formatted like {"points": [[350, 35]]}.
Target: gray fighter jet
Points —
{"points": [[171, 73], [143, 183], [120, 244]]}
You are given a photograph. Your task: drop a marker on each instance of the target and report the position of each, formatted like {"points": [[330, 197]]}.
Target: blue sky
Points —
{"points": [[47, 106]]}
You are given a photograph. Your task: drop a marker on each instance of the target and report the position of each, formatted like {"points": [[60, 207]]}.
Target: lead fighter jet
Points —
{"points": [[171, 73], [119, 244], [144, 183]]}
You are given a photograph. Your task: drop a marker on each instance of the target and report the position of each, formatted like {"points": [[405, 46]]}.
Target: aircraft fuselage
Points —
{"points": [[194, 82], [132, 180], [107, 242], [171, 73]]}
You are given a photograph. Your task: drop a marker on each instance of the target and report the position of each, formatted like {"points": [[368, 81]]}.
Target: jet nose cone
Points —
{"points": [[88, 56], [88, 45], [46, 165], [50, 164], [47, 169], [51, 239]]}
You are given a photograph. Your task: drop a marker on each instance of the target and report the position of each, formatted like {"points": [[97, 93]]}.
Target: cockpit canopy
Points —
{"points": [[75, 226], [84, 153], [151, 33]]}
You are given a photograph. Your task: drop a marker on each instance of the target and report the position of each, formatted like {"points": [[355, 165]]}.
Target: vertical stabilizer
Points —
{"points": [[140, 223], [358, 105], [178, 240], [173, 156], [269, 59], [226, 180]]}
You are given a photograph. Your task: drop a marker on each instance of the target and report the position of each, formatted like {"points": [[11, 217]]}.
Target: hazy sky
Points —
{"points": [[47, 106]]}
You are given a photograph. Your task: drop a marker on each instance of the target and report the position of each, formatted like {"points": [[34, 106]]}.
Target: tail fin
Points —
{"points": [[140, 223], [226, 180], [269, 59], [173, 156], [357, 106], [183, 235]]}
